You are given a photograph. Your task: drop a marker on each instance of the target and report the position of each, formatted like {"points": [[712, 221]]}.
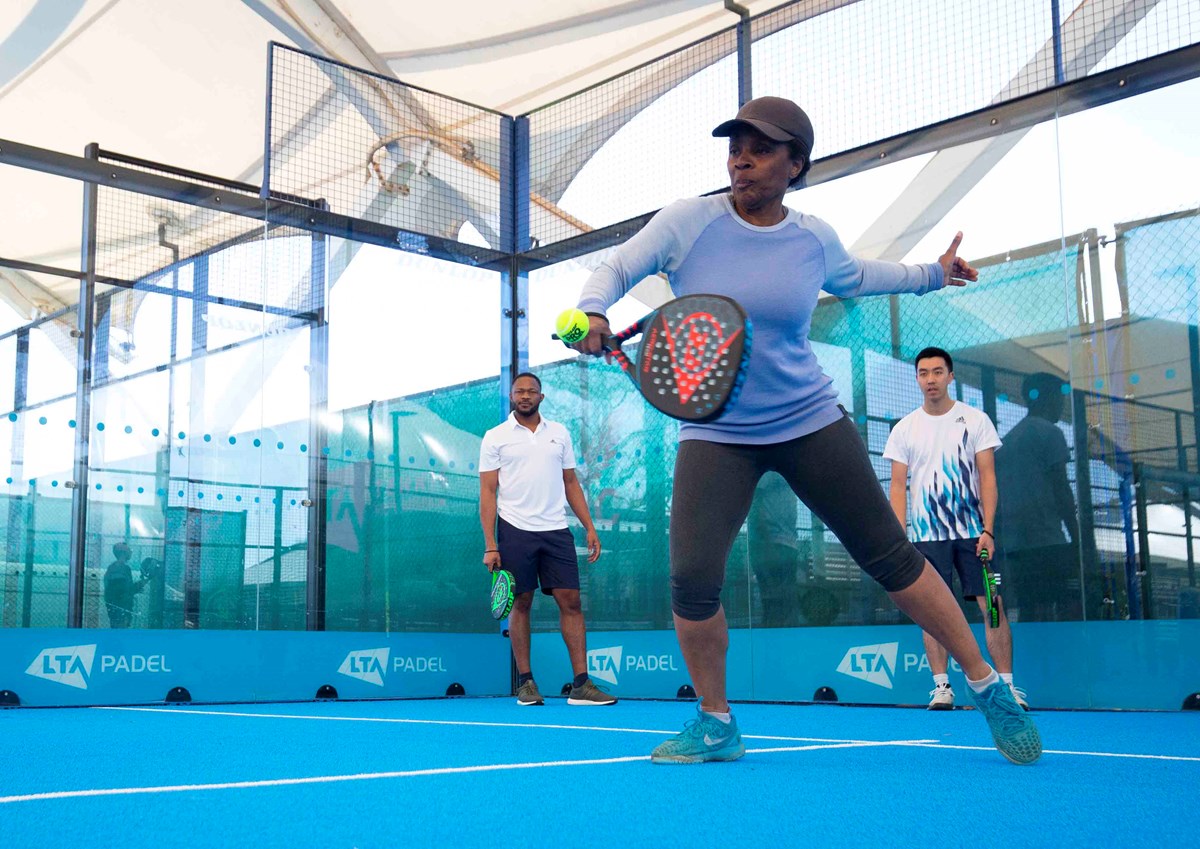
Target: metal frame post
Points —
{"points": [[744, 41], [277, 556], [1060, 76], [1084, 509], [30, 541], [1193, 333], [515, 239], [265, 190], [318, 440], [83, 398], [1139, 581], [987, 385], [16, 516]]}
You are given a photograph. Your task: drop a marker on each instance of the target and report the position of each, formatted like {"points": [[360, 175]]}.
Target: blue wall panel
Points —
{"points": [[101, 667], [1128, 664]]}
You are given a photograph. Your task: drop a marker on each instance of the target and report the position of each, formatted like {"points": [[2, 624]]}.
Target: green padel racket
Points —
{"points": [[991, 589], [502, 593]]}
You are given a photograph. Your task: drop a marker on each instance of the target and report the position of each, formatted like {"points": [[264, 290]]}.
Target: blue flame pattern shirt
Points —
{"points": [[943, 481]]}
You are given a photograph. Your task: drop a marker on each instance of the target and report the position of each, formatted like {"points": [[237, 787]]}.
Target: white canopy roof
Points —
{"points": [[184, 83]]}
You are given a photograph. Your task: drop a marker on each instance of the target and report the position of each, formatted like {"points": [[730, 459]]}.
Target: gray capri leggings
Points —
{"points": [[829, 471]]}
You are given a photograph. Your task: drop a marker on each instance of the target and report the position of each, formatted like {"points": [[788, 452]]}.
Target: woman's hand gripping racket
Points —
{"points": [[692, 358], [991, 589]]}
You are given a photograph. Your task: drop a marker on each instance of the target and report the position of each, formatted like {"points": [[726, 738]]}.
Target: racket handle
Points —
{"points": [[605, 342]]}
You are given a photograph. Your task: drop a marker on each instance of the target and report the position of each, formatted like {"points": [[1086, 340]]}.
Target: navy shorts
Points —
{"points": [[538, 557], [956, 555]]}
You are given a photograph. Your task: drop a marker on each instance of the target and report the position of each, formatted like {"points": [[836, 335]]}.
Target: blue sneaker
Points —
{"points": [[1013, 731], [704, 738]]}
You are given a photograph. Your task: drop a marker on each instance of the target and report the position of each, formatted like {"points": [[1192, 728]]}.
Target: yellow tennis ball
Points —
{"points": [[572, 325]]}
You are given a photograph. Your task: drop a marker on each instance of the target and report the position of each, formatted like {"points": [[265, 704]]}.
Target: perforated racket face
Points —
{"points": [[692, 357], [502, 593]]}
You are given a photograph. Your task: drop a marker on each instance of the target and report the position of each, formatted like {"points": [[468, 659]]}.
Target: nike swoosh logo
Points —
{"points": [[709, 741]]}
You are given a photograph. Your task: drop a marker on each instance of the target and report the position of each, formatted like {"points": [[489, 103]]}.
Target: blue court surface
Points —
{"points": [[485, 772]]}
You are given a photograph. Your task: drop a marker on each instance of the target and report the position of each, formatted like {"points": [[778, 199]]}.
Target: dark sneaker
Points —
{"points": [[527, 694], [1013, 731], [589, 694], [704, 738]]}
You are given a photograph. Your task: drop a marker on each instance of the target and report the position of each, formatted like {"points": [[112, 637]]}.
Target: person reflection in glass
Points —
{"points": [[774, 550], [1037, 526], [120, 587]]}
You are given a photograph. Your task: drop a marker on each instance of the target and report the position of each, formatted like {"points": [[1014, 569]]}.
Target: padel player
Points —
{"points": [[748, 246], [526, 480], [948, 450]]}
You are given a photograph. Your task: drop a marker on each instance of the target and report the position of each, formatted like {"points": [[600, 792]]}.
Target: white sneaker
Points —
{"points": [[941, 698], [1019, 695]]}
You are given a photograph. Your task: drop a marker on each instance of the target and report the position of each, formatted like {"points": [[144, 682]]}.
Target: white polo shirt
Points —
{"points": [[531, 495]]}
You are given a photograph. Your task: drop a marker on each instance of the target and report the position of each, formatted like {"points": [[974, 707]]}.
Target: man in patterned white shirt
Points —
{"points": [[948, 448]]}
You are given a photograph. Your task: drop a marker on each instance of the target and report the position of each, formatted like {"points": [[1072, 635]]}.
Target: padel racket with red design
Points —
{"points": [[691, 361]]}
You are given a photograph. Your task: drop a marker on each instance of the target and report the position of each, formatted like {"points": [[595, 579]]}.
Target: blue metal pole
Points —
{"points": [[1060, 75], [514, 239]]}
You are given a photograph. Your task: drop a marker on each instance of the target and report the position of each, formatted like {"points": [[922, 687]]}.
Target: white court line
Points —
{"points": [[372, 776], [856, 744], [931, 744], [924, 744], [1134, 755], [316, 779], [471, 724]]}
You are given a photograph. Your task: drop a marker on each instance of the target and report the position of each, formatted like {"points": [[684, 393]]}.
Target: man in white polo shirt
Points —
{"points": [[526, 480]]}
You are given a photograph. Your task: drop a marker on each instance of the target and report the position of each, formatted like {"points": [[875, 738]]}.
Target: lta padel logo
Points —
{"points": [[70, 665], [605, 664], [874, 664], [369, 665]]}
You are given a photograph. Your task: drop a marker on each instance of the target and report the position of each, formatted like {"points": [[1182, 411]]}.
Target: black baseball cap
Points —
{"points": [[777, 118]]}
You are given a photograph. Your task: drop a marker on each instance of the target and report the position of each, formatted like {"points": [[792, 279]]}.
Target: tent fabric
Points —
{"points": [[184, 83]]}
